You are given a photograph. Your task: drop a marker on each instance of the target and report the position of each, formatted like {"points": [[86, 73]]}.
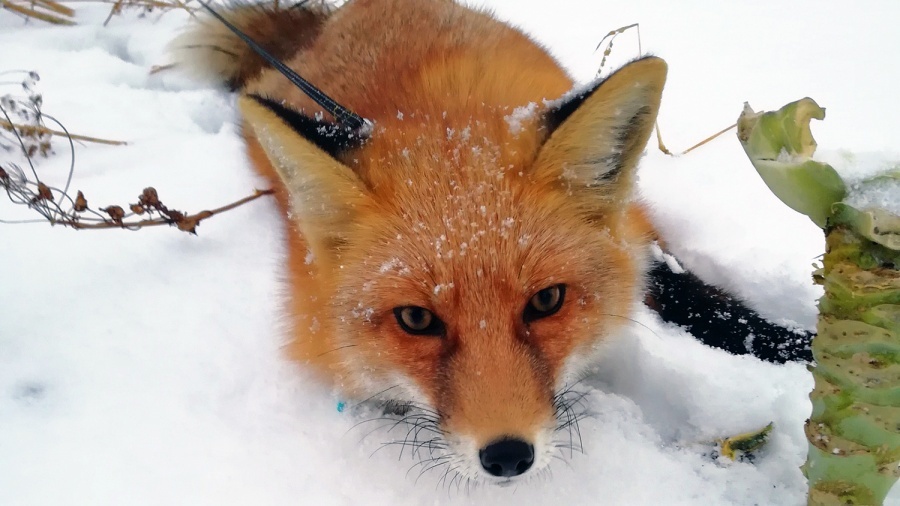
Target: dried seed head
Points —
{"points": [[188, 225], [149, 198], [175, 216], [138, 209], [115, 213], [80, 203], [44, 192]]}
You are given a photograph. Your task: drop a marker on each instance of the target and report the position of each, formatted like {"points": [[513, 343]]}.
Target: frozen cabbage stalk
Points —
{"points": [[854, 428]]}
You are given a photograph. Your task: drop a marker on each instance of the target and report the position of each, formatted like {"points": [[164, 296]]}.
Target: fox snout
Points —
{"points": [[497, 405]]}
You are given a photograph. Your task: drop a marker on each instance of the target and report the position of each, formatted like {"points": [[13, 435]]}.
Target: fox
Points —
{"points": [[465, 254]]}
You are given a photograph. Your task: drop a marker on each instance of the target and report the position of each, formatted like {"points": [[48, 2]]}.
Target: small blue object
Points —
{"points": [[340, 406]]}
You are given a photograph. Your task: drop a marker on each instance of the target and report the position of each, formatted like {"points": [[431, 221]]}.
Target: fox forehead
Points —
{"points": [[480, 237], [454, 148]]}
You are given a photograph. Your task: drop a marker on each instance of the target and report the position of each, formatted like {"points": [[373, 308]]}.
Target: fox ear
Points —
{"points": [[325, 195], [598, 136]]}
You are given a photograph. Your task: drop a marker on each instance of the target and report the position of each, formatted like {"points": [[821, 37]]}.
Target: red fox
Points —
{"points": [[465, 253], [469, 255]]}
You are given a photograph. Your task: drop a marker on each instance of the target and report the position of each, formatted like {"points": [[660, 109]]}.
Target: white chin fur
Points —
{"points": [[466, 462]]}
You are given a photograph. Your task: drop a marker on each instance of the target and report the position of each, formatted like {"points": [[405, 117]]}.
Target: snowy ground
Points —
{"points": [[144, 368]]}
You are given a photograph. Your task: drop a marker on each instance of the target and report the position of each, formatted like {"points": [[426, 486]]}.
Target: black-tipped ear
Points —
{"points": [[326, 196], [564, 107], [333, 139], [598, 136]]}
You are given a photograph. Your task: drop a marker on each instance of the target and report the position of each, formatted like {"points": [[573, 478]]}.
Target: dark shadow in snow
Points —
{"points": [[29, 392]]}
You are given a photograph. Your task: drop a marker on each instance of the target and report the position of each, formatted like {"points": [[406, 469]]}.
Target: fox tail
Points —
{"points": [[209, 51]]}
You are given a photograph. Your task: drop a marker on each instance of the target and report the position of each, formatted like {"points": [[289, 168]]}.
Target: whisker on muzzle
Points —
{"points": [[428, 465], [570, 410], [418, 428], [422, 435]]}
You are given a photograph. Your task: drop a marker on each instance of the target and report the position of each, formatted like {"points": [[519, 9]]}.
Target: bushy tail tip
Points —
{"points": [[209, 51]]}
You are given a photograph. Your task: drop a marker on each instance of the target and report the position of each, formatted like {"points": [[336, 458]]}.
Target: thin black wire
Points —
{"points": [[343, 115]]}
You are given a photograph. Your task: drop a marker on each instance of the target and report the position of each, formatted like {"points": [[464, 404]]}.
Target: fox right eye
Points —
{"points": [[544, 303], [418, 321]]}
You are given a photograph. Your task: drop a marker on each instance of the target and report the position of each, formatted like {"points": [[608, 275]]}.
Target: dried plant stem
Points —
{"points": [[118, 5], [660, 144], [710, 138], [160, 68], [662, 147], [56, 7], [56, 205], [116, 8], [62, 15], [34, 13], [8, 126], [193, 218], [611, 37]]}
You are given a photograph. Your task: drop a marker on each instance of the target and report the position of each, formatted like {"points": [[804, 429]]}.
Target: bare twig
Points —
{"points": [[40, 129], [56, 7], [116, 8], [704, 141], [147, 5], [22, 9], [611, 37], [659, 142], [186, 223], [48, 202], [56, 206], [662, 147], [53, 11], [27, 111], [161, 68]]}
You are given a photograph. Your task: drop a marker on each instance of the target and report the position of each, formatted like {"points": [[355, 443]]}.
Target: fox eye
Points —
{"points": [[544, 303], [418, 321]]}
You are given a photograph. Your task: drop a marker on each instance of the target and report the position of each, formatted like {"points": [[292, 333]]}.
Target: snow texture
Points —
{"points": [[146, 368], [873, 178]]}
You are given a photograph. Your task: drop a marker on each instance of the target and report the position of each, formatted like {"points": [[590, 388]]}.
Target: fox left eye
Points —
{"points": [[418, 321], [544, 303]]}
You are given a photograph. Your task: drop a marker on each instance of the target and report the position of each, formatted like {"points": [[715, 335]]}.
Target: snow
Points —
{"points": [[881, 193], [873, 178], [518, 115], [145, 368]]}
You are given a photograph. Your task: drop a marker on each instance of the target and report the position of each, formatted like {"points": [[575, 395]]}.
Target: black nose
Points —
{"points": [[507, 457]]}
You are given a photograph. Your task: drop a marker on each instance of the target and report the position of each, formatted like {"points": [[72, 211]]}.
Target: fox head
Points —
{"points": [[474, 266]]}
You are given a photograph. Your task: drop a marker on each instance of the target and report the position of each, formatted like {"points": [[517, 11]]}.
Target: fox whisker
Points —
{"points": [[632, 320], [344, 347], [373, 396], [570, 410], [435, 463]]}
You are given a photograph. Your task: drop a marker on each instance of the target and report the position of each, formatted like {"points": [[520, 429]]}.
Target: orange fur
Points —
{"points": [[464, 201]]}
